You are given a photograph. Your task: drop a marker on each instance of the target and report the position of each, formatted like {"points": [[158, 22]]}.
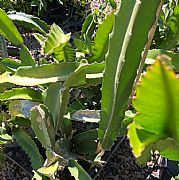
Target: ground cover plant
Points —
{"points": [[113, 53]]}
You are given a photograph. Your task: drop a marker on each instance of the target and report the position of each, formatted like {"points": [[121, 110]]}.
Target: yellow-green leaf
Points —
{"points": [[8, 29], [49, 171], [157, 102], [56, 39]]}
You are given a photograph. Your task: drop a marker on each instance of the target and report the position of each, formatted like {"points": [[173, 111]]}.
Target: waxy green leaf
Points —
{"points": [[26, 142], [26, 57], [49, 171], [22, 93], [55, 39], [126, 44], [101, 40], [10, 65], [157, 121], [48, 73], [8, 30], [42, 124], [65, 54], [29, 21]]}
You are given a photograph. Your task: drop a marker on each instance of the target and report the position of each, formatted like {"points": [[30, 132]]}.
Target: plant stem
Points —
{"points": [[4, 52], [147, 47]]}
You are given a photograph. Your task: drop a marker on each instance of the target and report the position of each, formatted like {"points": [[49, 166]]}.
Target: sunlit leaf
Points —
{"points": [[49, 171], [101, 40], [21, 93], [127, 41], [157, 102], [55, 39], [29, 21], [26, 57], [8, 30], [42, 124]]}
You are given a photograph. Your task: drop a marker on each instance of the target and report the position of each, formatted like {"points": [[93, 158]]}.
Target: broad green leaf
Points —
{"points": [[42, 124], [78, 77], [2, 68], [31, 76], [29, 146], [77, 171], [55, 93], [55, 39], [88, 26], [48, 73], [22, 93], [29, 21], [145, 155], [49, 171], [157, 105], [27, 81], [61, 70], [8, 30], [10, 65], [101, 40], [95, 68], [54, 96], [162, 91], [94, 74], [65, 54], [108, 126], [25, 57], [140, 138], [80, 45], [88, 44], [133, 22], [135, 143]]}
